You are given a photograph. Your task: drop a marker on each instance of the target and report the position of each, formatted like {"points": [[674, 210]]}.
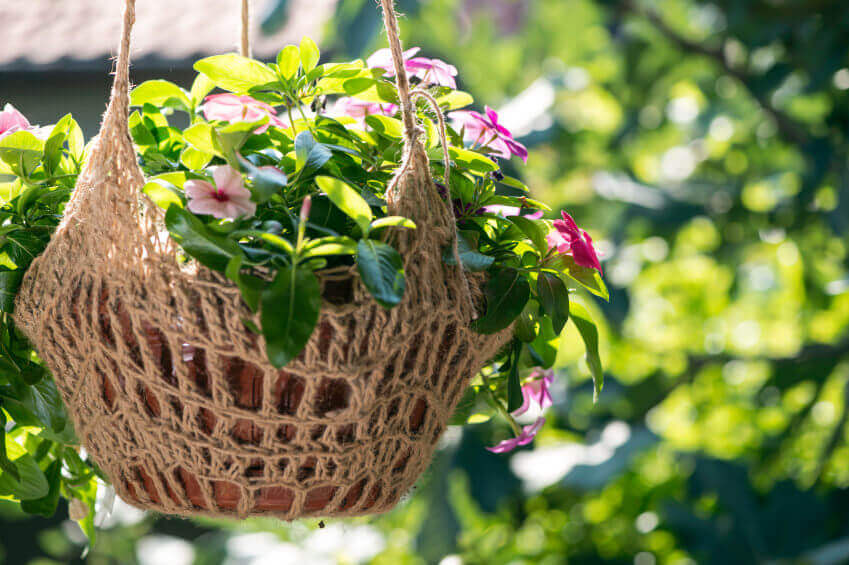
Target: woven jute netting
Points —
{"points": [[174, 398]]}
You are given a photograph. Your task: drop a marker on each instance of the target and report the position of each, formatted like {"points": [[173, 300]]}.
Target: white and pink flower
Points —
{"points": [[227, 197], [232, 108], [11, 120]]}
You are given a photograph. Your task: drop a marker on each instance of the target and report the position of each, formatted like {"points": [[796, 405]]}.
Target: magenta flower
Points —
{"points": [[536, 389], [227, 198], [506, 211], [11, 121], [359, 109], [428, 71], [526, 437], [567, 237], [487, 133], [232, 108]]}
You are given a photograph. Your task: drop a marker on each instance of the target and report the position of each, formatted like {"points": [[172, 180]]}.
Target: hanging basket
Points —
{"points": [[174, 398]]}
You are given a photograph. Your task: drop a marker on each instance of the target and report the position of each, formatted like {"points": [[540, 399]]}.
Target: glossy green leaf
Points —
{"points": [[347, 199], [160, 93], [311, 155], [554, 299], [535, 231], [162, 193], [201, 87], [392, 222], [309, 54], [235, 73], [46, 505], [32, 484], [382, 271], [589, 333], [507, 292], [22, 151], [288, 61], [289, 312], [196, 240], [10, 281], [470, 257]]}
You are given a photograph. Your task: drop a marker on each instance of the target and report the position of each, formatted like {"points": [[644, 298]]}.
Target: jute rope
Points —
{"points": [[246, 30], [174, 398]]}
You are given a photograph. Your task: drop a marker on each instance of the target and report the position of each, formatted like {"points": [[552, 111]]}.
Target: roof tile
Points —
{"points": [[67, 33]]}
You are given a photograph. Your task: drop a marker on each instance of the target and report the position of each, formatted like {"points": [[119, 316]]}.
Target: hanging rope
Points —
{"points": [[246, 29]]}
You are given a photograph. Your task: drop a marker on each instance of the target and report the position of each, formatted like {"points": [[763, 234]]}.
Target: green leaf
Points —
{"points": [[190, 232], [331, 245], [55, 142], [200, 88], [6, 464], [544, 347], [348, 200], [534, 230], [507, 292], [464, 407], [514, 385], [278, 242], [311, 155], [162, 193], [250, 286], [455, 100], [525, 327], [194, 159], [392, 222], [288, 61], [202, 137], [384, 125], [587, 277], [160, 93], [229, 139], [309, 54], [589, 333], [45, 402], [10, 282], [266, 181], [554, 299], [46, 506], [382, 271], [470, 160], [289, 313], [32, 484], [22, 151], [470, 257], [235, 73]]}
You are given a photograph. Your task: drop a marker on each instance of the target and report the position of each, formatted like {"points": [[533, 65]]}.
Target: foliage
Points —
{"points": [[271, 204]]}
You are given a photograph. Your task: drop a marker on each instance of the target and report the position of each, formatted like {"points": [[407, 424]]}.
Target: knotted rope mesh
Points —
{"points": [[173, 397]]}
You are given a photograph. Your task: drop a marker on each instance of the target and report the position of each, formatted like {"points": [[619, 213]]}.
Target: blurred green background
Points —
{"points": [[704, 146]]}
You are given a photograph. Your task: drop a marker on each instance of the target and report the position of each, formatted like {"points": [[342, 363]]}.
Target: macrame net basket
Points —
{"points": [[173, 397]]}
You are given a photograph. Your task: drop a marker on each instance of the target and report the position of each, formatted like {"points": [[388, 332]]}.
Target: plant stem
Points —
{"points": [[517, 431]]}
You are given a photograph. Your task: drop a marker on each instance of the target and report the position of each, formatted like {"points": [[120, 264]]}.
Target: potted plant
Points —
{"points": [[275, 309]]}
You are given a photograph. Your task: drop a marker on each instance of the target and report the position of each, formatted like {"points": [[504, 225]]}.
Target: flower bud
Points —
{"points": [[305, 208]]}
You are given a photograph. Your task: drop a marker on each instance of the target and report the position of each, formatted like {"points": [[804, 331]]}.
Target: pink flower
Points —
{"points": [[428, 71], [227, 198], [526, 437], [11, 121], [359, 109], [568, 237], [486, 132], [382, 59], [507, 211], [232, 108], [536, 389], [432, 71]]}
